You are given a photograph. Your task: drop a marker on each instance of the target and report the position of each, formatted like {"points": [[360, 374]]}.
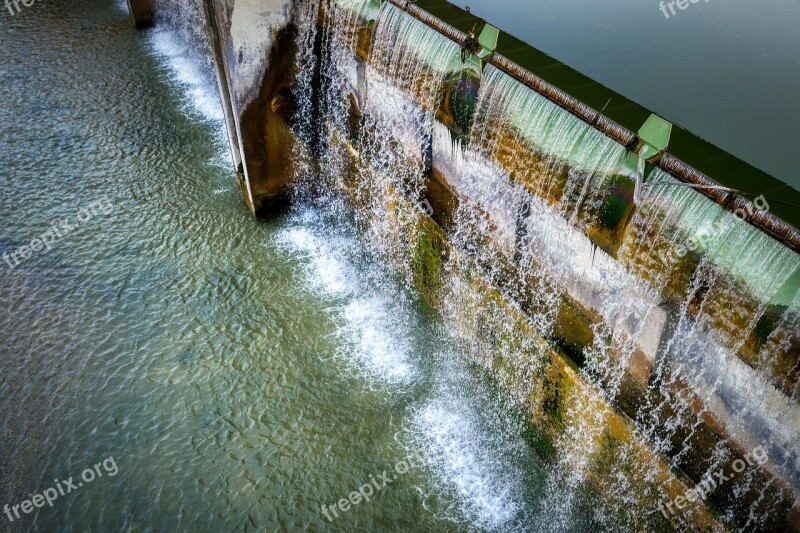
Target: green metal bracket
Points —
{"points": [[488, 41], [654, 136], [479, 46]]}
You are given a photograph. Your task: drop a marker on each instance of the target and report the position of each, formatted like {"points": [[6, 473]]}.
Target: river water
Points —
{"points": [[241, 374]]}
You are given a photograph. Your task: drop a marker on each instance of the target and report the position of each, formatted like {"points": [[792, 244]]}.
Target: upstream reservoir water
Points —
{"points": [[240, 373]]}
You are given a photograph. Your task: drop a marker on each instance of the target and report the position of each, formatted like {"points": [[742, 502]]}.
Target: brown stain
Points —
{"points": [[267, 141], [141, 13], [794, 517]]}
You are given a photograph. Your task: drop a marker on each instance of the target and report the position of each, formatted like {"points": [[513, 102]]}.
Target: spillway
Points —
{"points": [[642, 318]]}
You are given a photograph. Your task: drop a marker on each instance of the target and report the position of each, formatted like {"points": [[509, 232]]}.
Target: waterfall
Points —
{"points": [[181, 43], [402, 81], [739, 277], [395, 97], [529, 178], [552, 153], [544, 222]]}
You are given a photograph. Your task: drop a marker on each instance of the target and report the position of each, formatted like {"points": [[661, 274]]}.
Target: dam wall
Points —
{"points": [[648, 329]]}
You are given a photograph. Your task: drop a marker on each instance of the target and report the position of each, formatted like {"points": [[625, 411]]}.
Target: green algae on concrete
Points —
{"points": [[428, 254]]}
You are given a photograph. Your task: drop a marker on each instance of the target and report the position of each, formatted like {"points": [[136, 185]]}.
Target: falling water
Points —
{"points": [[736, 277], [386, 153], [557, 156], [401, 84], [246, 372], [539, 191], [181, 39], [529, 177]]}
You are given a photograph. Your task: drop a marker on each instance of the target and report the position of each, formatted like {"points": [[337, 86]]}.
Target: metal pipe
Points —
{"points": [[602, 123], [765, 221]]}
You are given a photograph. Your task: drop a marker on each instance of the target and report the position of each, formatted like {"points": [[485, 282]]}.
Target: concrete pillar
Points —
{"points": [[141, 12], [223, 84], [254, 53]]}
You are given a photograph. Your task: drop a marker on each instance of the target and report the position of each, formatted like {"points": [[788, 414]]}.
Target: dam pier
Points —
{"points": [[640, 308]]}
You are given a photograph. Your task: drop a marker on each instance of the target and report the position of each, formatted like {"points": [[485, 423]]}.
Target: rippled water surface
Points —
{"points": [[240, 373]]}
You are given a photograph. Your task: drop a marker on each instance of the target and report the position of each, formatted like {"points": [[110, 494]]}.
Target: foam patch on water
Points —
{"points": [[460, 452], [474, 465], [201, 96], [184, 70], [371, 325]]}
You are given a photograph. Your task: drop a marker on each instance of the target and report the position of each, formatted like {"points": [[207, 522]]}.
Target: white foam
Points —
{"points": [[326, 272], [371, 328], [488, 490], [201, 96], [371, 325], [468, 458]]}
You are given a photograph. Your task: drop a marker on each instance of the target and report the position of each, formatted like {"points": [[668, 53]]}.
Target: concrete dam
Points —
{"points": [[633, 296]]}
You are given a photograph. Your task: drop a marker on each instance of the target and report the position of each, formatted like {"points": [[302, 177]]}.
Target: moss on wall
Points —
{"points": [[428, 253]]}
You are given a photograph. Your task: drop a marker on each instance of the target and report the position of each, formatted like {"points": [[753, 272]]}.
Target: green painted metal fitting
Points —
{"points": [[477, 51], [488, 41], [654, 138]]}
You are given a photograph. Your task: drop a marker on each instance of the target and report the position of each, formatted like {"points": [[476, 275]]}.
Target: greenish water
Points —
{"points": [[240, 373]]}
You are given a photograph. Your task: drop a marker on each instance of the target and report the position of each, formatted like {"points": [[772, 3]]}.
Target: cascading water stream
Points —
{"points": [[402, 82], [180, 38], [249, 372], [500, 192], [386, 156], [738, 273], [543, 147], [532, 181], [750, 284]]}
